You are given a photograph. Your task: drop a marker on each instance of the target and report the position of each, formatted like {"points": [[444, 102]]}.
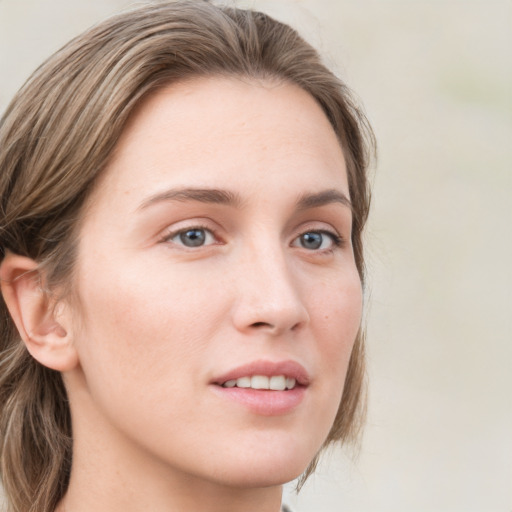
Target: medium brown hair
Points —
{"points": [[57, 136]]}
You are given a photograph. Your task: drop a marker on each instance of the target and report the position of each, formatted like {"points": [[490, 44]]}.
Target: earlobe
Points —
{"points": [[43, 327]]}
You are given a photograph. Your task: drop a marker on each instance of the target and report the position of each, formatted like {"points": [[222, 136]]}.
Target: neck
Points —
{"points": [[185, 498], [110, 483]]}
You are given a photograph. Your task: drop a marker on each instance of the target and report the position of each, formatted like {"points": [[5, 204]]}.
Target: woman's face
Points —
{"points": [[215, 254]]}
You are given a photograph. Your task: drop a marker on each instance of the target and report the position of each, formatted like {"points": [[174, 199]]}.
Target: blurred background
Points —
{"points": [[435, 77]]}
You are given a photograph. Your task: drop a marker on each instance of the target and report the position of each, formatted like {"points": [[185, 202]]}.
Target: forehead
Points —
{"points": [[215, 132]]}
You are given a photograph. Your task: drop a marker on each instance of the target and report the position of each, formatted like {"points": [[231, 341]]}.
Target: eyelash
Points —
{"points": [[337, 240], [172, 234]]}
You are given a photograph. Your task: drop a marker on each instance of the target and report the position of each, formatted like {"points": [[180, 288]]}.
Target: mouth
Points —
{"points": [[264, 388], [264, 375], [262, 382]]}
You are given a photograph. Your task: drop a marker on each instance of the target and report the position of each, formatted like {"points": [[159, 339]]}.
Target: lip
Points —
{"points": [[264, 402], [267, 368]]}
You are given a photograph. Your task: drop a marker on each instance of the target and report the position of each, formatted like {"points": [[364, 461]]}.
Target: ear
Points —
{"points": [[43, 325]]}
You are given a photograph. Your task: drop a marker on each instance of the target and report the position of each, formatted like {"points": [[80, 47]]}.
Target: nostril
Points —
{"points": [[261, 324]]}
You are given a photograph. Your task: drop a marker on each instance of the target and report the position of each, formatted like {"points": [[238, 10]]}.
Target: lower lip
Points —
{"points": [[262, 401]]}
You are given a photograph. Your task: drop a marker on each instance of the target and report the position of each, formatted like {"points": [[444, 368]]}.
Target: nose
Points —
{"points": [[268, 296]]}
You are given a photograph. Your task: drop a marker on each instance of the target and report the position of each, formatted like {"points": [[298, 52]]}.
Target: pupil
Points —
{"points": [[193, 237], [312, 240]]}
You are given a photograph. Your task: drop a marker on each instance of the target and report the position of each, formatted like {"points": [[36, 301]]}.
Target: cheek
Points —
{"points": [[337, 319], [143, 333], [338, 310]]}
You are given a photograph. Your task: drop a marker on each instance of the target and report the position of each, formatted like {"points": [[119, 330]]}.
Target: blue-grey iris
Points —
{"points": [[311, 240], [193, 237]]}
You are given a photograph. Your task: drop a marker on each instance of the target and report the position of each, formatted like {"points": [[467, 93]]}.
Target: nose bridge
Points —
{"points": [[269, 297]]}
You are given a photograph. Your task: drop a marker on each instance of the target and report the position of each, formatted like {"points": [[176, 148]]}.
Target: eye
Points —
{"points": [[317, 240], [192, 237]]}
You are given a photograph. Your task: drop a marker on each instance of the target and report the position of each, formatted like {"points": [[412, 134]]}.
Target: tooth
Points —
{"points": [[277, 383], [230, 384], [290, 383], [259, 382], [243, 382]]}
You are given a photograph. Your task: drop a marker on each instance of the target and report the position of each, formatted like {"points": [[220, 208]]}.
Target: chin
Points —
{"points": [[266, 477], [265, 468]]}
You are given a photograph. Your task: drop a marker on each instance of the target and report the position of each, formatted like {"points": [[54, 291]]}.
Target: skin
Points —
{"points": [[153, 321]]}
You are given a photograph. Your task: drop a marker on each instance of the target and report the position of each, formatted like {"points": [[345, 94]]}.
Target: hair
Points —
{"points": [[56, 138]]}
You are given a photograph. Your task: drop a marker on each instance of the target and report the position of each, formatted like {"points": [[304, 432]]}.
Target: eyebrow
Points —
{"points": [[202, 195], [229, 198], [315, 200]]}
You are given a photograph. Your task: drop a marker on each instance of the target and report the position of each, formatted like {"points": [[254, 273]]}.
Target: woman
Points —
{"points": [[183, 193]]}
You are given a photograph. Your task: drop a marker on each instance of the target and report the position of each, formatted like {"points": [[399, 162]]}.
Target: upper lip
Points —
{"points": [[287, 368]]}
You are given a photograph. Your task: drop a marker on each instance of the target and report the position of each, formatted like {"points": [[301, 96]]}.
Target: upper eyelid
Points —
{"points": [[168, 233], [318, 226], [329, 232], [191, 223]]}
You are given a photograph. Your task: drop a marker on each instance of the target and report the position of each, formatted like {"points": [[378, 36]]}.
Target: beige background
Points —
{"points": [[436, 80]]}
